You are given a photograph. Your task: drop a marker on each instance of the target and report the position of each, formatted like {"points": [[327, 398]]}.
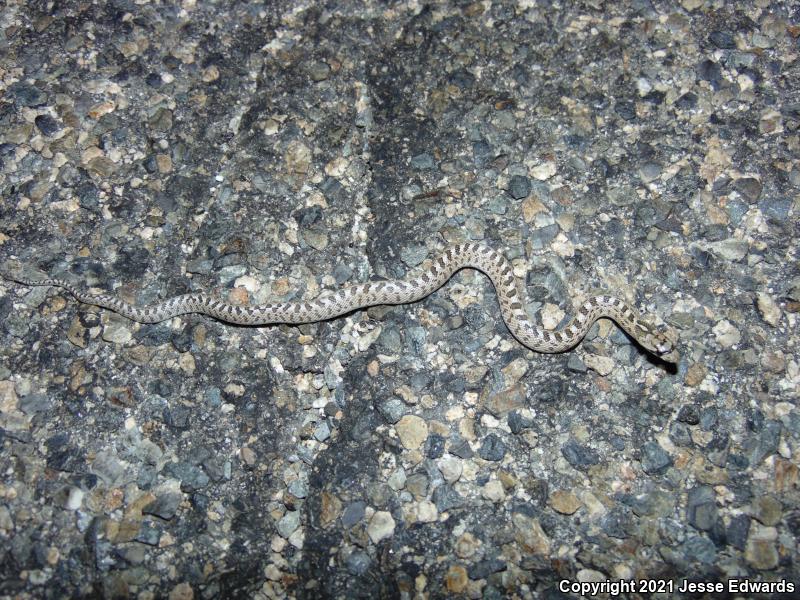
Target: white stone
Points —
{"points": [[381, 526]]}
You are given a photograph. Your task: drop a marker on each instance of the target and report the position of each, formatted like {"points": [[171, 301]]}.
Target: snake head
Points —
{"points": [[659, 339]]}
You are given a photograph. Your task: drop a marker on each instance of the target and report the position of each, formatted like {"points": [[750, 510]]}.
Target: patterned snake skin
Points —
{"points": [[329, 305]]}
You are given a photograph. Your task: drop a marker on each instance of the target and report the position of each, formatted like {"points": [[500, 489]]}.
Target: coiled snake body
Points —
{"points": [[329, 305]]}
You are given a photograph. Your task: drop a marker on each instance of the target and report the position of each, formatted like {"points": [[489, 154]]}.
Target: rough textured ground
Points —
{"points": [[648, 149]]}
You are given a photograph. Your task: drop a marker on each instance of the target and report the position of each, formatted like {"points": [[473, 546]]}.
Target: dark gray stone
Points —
{"points": [[358, 562], [25, 94], [626, 110], [446, 498], [517, 423], [654, 458], [353, 513], [680, 434], [492, 448], [749, 188], [434, 446], [724, 40], [149, 533], [579, 456], [699, 549], [618, 523], [35, 403], [392, 409], [192, 477], [689, 414], [776, 208], [484, 568], [519, 187], [737, 531], [575, 364], [764, 444], [701, 507], [423, 161], [460, 447], [177, 416], [47, 125], [164, 506]]}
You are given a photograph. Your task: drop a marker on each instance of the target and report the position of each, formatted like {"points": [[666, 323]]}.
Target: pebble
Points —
{"points": [[414, 255], [760, 551], [392, 409], [727, 335], [552, 315], [492, 448], [423, 161], [579, 456], [484, 568], [701, 508], [467, 545], [456, 579], [699, 549], [654, 458], [530, 535], [322, 431], [426, 512], [47, 125], [564, 501], [493, 491], [767, 510], [288, 523], [776, 208], [451, 468], [358, 562], [603, 365], [769, 309], [397, 480], [381, 526], [446, 498], [117, 332], [503, 402], [517, 422], [353, 513], [544, 171], [749, 187], [412, 431], [519, 187], [731, 249]]}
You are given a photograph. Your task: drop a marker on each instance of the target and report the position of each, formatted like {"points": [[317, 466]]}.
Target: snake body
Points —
{"points": [[329, 305]]}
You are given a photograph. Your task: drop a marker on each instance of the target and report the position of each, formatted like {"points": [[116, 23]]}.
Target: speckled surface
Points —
{"points": [[648, 150]]}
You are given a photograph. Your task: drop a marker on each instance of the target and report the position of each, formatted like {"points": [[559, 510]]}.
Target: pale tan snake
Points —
{"points": [[657, 340]]}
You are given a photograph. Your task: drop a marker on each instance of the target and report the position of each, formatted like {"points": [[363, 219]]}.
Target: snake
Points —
{"points": [[655, 339]]}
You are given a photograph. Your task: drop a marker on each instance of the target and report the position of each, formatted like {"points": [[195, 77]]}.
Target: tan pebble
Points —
{"points": [[331, 508], [565, 502], [695, 374], [770, 311], [210, 73], [774, 362], [98, 110], [412, 431], [467, 545], [456, 579], [505, 401], [280, 287], [601, 364], [248, 456], [164, 163], [381, 526], [182, 591], [239, 296]]}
